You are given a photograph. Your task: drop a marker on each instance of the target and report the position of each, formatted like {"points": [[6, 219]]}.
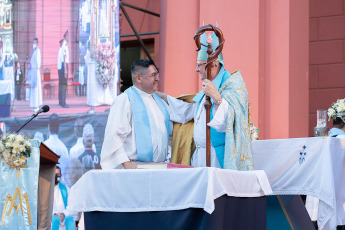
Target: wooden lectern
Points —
{"points": [[46, 182]]}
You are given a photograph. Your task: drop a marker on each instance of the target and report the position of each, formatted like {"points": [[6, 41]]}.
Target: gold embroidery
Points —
{"points": [[15, 206], [18, 169]]}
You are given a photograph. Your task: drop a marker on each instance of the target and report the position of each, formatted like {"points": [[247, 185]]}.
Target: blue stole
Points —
{"points": [[217, 138], [141, 123], [64, 193]]}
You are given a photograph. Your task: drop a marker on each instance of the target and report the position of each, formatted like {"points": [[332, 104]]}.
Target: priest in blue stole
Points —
{"points": [[62, 218], [138, 125], [230, 130]]}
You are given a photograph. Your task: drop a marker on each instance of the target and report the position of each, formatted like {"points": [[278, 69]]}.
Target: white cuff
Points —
{"points": [[220, 116]]}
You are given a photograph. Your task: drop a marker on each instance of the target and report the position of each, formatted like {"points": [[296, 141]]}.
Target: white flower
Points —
{"points": [[19, 138], [17, 162], [331, 112], [8, 144], [15, 144], [2, 147], [15, 150], [254, 136], [341, 107], [27, 144], [22, 148], [22, 160]]}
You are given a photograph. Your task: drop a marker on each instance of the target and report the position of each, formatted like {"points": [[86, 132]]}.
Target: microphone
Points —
{"points": [[44, 109]]}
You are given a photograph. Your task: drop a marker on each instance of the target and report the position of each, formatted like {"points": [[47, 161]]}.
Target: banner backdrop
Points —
{"points": [[18, 193]]}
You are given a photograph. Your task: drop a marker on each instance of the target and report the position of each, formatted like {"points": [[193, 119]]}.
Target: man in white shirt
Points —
{"points": [[63, 60], [138, 124], [56, 145]]}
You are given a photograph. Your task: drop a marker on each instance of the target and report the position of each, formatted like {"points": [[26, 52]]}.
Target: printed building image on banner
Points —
{"points": [[64, 54]]}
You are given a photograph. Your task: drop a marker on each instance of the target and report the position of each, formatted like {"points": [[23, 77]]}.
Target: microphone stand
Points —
{"points": [[27, 121]]}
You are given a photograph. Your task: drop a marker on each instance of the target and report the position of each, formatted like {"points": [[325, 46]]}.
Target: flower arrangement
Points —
{"points": [[105, 57], [337, 109], [15, 149], [254, 132]]}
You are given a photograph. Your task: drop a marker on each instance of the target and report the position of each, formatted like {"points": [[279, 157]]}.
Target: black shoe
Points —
{"points": [[65, 106]]}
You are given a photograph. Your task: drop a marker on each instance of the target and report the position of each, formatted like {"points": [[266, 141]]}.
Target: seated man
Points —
{"points": [[138, 124], [337, 113], [61, 218], [230, 130]]}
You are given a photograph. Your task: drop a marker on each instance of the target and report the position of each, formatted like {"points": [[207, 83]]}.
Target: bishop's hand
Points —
{"points": [[163, 96], [210, 90]]}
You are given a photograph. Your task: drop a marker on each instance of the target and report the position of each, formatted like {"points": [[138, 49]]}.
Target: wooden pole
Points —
{"points": [[212, 56]]}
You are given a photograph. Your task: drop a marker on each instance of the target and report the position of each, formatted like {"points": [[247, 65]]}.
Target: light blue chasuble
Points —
{"points": [[233, 148], [143, 138], [18, 193]]}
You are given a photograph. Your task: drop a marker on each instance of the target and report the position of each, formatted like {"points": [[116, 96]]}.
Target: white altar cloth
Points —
{"points": [[137, 190], [317, 170]]}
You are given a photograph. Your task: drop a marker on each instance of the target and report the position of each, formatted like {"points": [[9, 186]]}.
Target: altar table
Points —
{"points": [[164, 198], [312, 166]]}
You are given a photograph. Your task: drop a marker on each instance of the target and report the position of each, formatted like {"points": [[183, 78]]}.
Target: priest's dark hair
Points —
{"points": [[338, 123], [140, 67], [54, 123]]}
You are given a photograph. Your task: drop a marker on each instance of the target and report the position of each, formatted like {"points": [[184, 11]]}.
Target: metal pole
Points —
{"points": [[137, 34], [140, 9], [140, 34]]}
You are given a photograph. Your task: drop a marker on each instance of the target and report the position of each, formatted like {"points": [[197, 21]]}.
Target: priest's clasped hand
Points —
{"points": [[210, 90]]}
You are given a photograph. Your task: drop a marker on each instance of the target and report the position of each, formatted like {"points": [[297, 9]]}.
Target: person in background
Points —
{"points": [[62, 219], [56, 145], [338, 129], [39, 136], [18, 81], [63, 60], [2, 129], [78, 148], [89, 158], [34, 77]]}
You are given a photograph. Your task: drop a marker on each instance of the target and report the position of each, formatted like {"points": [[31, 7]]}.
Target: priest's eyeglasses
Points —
{"points": [[155, 75]]}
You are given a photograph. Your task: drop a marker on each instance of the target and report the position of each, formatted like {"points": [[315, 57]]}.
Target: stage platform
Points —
{"points": [[77, 105]]}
